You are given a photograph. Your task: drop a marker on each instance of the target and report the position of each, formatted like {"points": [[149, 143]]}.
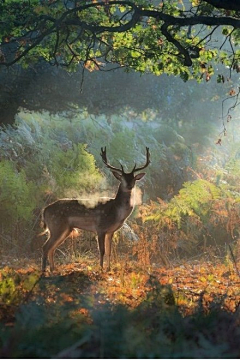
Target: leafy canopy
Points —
{"points": [[178, 37]]}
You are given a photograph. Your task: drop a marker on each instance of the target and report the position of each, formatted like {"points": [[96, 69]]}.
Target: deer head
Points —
{"points": [[127, 179]]}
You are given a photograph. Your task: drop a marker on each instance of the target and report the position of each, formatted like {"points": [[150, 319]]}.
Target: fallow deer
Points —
{"points": [[62, 216]]}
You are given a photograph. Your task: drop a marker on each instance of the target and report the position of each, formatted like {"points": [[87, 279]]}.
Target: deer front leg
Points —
{"points": [[108, 244], [101, 246], [44, 258]]}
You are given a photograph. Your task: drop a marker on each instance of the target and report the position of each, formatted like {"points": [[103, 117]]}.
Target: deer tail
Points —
{"points": [[43, 225], [43, 232]]}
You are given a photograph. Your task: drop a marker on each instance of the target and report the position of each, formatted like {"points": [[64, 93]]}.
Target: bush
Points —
{"points": [[202, 214], [17, 194]]}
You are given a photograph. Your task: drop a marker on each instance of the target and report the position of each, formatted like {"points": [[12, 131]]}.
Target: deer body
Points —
{"points": [[62, 216]]}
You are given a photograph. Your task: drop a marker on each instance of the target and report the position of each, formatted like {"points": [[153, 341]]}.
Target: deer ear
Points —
{"points": [[139, 176], [117, 175]]}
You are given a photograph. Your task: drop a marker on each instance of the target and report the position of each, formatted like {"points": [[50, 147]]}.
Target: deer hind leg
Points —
{"points": [[108, 244], [101, 246], [56, 238]]}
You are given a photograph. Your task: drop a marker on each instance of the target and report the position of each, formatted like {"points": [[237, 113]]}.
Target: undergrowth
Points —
{"points": [[81, 312]]}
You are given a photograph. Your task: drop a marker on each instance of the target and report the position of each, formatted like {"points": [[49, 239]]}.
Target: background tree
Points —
{"points": [[43, 87]]}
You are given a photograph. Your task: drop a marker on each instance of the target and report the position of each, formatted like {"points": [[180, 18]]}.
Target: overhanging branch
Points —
{"points": [[136, 14], [225, 4]]}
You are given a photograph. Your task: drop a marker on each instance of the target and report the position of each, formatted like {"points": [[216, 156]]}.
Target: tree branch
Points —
{"points": [[70, 17], [139, 11], [194, 20], [170, 38], [225, 4]]}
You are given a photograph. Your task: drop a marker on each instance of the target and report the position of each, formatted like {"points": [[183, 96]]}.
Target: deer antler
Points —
{"points": [[146, 164], [104, 159]]}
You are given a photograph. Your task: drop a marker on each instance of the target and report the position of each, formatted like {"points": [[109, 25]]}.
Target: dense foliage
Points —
{"points": [[202, 217], [158, 37]]}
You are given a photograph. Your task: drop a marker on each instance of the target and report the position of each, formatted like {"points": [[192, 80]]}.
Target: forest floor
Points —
{"points": [[191, 310]]}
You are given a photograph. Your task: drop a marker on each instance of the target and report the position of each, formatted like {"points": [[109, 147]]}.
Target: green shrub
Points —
{"points": [[17, 194]]}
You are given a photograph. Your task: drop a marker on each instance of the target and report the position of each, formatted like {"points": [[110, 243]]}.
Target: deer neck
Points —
{"points": [[124, 197]]}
